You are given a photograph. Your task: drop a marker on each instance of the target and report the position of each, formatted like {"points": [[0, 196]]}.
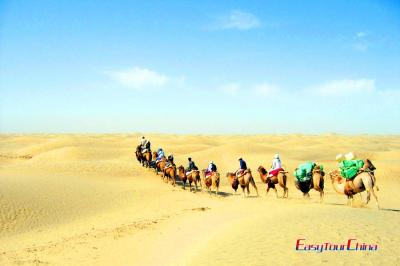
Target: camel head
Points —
{"points": [[262, 170], [335, 176], [319, 171], [181, 169]]}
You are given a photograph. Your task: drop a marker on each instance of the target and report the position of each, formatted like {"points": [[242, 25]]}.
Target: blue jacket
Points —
{"points": [[243, 165], [160, 154]]}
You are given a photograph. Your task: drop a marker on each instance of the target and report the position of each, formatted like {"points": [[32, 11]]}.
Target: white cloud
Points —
{"points": [[265, 89], [231, 89], [239, 20], [360, 41], [143, 78], [361, 34], [346, 86]]}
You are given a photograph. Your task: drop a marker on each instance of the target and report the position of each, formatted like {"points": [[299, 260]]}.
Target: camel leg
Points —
{"points": [[368, 196], [248, 189], [350, 201], [276, 192], [266, 192], [254, 185], [375, 197], [321, 196], [184, 185], [243, 193], [195, 185]]}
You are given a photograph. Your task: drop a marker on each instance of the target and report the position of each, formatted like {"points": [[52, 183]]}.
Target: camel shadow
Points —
{"points": [[390, 210]]}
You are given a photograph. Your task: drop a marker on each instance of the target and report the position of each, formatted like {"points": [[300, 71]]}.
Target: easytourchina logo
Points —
{"points": [[352, 244]]}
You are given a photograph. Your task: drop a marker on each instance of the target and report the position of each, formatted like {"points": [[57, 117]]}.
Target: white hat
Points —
{"points": [[350, 156], [339, 157], [276, 156], [212, 162]]}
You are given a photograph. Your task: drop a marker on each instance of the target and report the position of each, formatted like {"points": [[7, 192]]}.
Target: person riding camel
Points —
{"points": [[276, 166], [160, 154], [144, 145], [243, 167], [212, 168], [170, 161], [192, 166]]}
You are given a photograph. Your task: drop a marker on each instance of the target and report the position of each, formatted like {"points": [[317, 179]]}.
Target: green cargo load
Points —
{"points": [[350, 168], [304, 172]]}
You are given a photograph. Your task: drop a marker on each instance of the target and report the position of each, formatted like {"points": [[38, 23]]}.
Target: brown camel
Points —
{"points": [[272, 181], [138, 153], [160, 165], [169, 172], [316, 182], [211, 181], [363, 181], [146, 159], [244, 181], [233, 180], [193, 177], [182, 175]]}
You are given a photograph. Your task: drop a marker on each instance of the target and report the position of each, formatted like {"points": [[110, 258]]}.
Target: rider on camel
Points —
{"points": [[191, 166], [212, 168], [243, 167], [276, 166], [160, 154], [170, 160], [144, 145]]}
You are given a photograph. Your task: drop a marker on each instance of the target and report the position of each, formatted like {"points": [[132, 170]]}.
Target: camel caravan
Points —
{"points": [[353, 175]]}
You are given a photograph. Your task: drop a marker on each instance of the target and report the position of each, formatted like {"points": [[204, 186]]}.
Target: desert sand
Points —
{"points": [[85, 200]]}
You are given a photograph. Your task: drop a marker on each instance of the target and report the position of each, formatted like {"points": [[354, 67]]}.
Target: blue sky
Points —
{"points": [[237, 67]]}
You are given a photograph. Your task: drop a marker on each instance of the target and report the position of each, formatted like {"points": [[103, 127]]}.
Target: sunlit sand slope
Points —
{"points": [[84, 199]]}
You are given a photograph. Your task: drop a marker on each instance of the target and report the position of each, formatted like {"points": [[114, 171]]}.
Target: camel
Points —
{"points": [[138, 153], [211, 181], [143, 158], [160, 165], [363, 181], [170, 173], [316, 182], [272, 181], [244, 181], [182, 175], [193, 177], [233, 180], [146, 159]]}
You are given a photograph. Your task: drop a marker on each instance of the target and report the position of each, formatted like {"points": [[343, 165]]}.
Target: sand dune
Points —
{"points": [[84, 199]]}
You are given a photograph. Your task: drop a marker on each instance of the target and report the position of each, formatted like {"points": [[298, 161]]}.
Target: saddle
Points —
{"points": [[240, 173], [168, 165], [209, 174], [188, 173], [275, 172]]}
